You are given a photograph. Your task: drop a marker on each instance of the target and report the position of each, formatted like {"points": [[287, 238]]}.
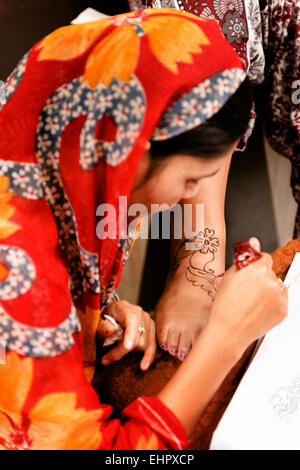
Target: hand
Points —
{"points": [[249, 302], [130, 317]]}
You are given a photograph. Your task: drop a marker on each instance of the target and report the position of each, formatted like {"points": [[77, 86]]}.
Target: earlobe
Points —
{"points": [[191, 190]]}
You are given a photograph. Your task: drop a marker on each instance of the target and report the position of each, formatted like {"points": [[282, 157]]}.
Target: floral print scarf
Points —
{"points": [[239, 20], [75, 118], [241, 25]]}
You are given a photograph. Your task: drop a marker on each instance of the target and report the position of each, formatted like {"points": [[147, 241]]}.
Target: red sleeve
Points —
{"points": [[146, 424], [151, 416]]}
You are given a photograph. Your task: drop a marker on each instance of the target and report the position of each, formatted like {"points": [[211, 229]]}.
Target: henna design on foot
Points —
{"points": [[206, 245]]}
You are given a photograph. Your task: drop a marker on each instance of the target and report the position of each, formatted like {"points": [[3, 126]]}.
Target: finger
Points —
{"points": [[255, 243], [112, 310], [185, 343], [173, 341], [150, 352], [266, 260], [148, 357], [280, 295], [132, 323], [145, 337], [114, 354], [118, 311], [282, 304], [285, 301], [105, 328], [129, 317], [283, 288]]}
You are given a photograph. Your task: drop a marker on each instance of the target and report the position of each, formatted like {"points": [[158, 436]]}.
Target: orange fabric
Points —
{"points": [[47, 404]]}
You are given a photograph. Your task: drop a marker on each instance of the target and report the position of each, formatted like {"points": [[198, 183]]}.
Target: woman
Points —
{"points": [[91, 97], [266, 35], [241, 25]]}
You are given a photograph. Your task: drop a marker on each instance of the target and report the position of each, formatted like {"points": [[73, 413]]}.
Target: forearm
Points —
{"points": [[198, 378]]}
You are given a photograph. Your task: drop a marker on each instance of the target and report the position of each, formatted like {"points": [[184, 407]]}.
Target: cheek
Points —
{"points": [[160, 189], [166, 190]]}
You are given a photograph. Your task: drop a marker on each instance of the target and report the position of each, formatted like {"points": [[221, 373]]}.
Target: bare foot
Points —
{"points": [[184, 308], [180, 315]]}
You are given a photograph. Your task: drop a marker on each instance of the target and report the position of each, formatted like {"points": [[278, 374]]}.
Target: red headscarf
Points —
{"points": [[78, 111], [77, 114]]}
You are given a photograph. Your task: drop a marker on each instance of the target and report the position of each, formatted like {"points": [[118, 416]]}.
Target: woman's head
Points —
{"points": [[172, 169], [100, 104]]}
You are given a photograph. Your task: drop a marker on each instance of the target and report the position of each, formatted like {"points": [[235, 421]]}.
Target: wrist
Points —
{"points": [[222, 341]]}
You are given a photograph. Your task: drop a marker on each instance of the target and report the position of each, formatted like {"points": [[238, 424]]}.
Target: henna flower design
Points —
{"points": [[210, 242]]}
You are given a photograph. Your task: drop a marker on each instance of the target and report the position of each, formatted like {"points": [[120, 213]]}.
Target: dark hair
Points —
{"points": [[216, 135]]}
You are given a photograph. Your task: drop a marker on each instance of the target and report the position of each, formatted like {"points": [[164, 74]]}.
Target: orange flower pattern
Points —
{"points": [[107, 60], [54, 423]]}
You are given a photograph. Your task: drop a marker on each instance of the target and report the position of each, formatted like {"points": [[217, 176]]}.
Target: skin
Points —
{"points": [[177, 178], [184, 309], [248, 302], [130, 317]]}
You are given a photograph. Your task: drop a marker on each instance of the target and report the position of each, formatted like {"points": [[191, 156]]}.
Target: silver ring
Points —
{"points": [[141, 329]]}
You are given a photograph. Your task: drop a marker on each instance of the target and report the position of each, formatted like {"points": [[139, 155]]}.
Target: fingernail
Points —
{"points": [[183, 356], [164, 346], [254, 242], [174, 351], [146, 365], [105, 361]]}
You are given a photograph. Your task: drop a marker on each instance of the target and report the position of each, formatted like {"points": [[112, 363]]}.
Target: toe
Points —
{"points": [[162, 337], [173, 342], [184, 345]]}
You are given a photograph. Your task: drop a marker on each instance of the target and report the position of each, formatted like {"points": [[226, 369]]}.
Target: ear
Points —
{"points": [[191, 189]]}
